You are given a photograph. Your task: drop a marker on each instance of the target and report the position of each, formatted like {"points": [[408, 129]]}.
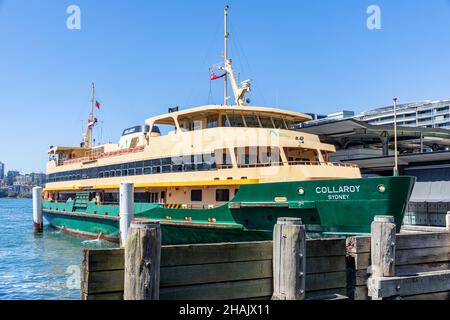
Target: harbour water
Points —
{"points": [[43, 266]]}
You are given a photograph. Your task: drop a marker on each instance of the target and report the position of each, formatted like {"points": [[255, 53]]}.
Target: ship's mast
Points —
{"points": [[225, 56], [88, 136], [239, 91]]}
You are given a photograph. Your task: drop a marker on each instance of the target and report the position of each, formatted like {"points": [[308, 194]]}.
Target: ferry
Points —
{"points": [[216, 173]]}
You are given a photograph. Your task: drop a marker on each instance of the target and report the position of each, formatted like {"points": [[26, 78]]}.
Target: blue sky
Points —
{"points": [[146, 56]]}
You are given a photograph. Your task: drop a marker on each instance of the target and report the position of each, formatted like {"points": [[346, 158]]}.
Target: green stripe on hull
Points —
{"points": [[328, 206]]}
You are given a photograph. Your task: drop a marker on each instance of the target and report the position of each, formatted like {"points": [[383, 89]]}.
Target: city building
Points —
{"points": [[23, 180], [339, 115], [11, 176], [15, 184], [2, 170], [425, 114]]}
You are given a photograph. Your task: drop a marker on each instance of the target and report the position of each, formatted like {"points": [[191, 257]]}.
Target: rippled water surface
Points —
{"points": [[37, 267]]}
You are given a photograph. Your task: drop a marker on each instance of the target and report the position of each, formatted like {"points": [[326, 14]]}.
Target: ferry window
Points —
{"points": [[140, 197], [187, 159], [252, 121], [279, 123], [211, 122], [148, 163], [147, 170], [184, 126], [196, 195], [223, 157], [100, 175], [197, 158], [208, 158], [131, 172], [156, 169], [266, 122], [138, 171], [177, 167], [118, 173], [269, 155], [156, 162], [222, 195], [197, 124], [236, 120], [177, 163], [246, 155], [124, 173], [106, 174], [225, 121], [112, 174], [139, 164]]}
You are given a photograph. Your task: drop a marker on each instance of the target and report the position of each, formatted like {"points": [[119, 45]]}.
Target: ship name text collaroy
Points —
{"points": [[340, 189]]}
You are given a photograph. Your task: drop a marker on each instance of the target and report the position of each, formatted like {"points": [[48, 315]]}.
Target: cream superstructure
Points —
{"points": [[247, 145]]}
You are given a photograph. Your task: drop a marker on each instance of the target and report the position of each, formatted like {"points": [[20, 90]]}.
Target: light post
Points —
{"points": [[395, 139]]}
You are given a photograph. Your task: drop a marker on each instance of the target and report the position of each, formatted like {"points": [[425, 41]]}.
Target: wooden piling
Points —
{"points": [[37, 210], [126, 212], [383, 246], [289, 267], [142, 261]]}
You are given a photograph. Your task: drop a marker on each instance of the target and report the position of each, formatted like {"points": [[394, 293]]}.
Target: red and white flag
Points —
{"points": [[97, 104], [213, 76]]}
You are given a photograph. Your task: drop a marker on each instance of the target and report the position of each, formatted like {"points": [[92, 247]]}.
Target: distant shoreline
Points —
{"points": [[16, 197]]}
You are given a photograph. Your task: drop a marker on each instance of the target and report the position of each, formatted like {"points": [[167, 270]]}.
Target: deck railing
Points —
{"points": [[92, 156], [298, 163]]}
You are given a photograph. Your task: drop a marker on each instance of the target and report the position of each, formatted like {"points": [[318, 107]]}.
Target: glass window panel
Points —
{"points": [[225, 121], [148, 163], [156, 169], [196, 195], [222, 195], [236, 120], [211, 122], [252, 121], [147, 170], [279, 123], [266, 122]]}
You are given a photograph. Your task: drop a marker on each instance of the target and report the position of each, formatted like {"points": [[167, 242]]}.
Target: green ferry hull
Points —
{"points": [[326, 207]]}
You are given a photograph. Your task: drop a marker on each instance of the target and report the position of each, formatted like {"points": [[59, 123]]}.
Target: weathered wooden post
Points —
{"points": [[37, 210], [383, 246], [289, 267], [126, 212], [447, 221], [142, 261]]}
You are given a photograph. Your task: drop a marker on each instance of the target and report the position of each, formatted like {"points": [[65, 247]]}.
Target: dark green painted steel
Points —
{"points": [[341, 207]]}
